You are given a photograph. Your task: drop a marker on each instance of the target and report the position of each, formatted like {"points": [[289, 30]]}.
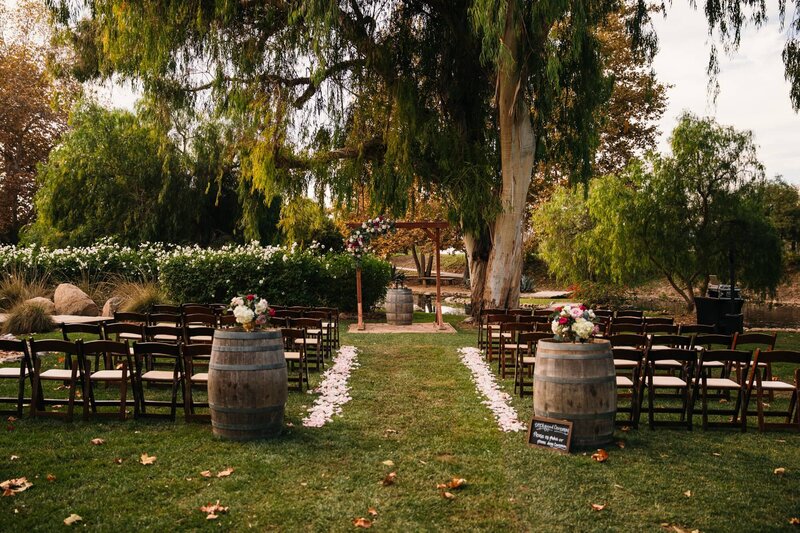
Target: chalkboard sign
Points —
{"points": [[550, 433]]}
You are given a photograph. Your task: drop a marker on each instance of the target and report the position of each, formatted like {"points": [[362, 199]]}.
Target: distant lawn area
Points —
{"points": [[414, 411]]}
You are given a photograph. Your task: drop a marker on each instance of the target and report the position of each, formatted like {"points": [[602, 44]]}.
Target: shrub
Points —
{"points": [[596, 294], [16, 288], [140, 297], [27, 317]]}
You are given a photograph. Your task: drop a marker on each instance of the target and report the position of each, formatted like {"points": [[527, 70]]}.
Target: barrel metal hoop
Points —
{"points": [[247, 410], [271, 366], [574, 381], [610, 415], [575, 357], [248, 348]]}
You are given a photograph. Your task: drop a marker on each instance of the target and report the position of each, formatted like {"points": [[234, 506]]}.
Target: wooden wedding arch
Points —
{"points": [[433, 229]]}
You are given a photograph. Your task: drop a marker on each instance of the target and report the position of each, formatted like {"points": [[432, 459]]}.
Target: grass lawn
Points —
{"points": [[415, 405]]}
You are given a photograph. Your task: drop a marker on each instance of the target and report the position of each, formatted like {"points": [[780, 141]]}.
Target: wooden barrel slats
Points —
{"points": [[577, 382], [247, 384], [399, 307]]}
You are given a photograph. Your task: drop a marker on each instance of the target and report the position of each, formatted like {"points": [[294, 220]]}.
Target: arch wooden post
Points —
{"points": [[361, 325], [437, 242]]}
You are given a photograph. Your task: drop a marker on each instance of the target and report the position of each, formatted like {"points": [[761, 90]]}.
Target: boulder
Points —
{"points": [[112, 305], [47, 304], [70, 300]]}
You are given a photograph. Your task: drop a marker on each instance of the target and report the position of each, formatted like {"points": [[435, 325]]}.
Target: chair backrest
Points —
{"points": [[528, 319], [674, 341], [519, 312], [634, 320], [753, 340], [530, 338], [544, 327], [192, 308], [105, 347], [708, 340], [166, 319], [150, 333], [515, 328], [669, 329], [12, 345], [117, 328], [628, 339], [198, 334], [157, 349], [47, 348], [741, 357], [492, 311], [80, 331], [122, 316], [663, 320], [695, 328], [199, 319], [608, 313], [288, 313], [685, 356], [196, 351], [617, 329], [305, 323], [778, 356], [322, 315], [290, 335], [629, 313], [499, 319], [628, 353], [227, 320]]}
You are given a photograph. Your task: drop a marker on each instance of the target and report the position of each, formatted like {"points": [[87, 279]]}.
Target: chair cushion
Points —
{"points": [[625, 363], [777, 385], [528, 360], [669, 363], [668, 381], [56, 374], [200, 377], [713, 364], [623, 381], [721, 383], [157, 375], [306, 341], [11, 372], [291, 356], [165, 337], [111, 375]]}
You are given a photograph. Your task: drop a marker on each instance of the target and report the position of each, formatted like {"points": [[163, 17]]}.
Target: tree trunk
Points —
{"points": [[417, 262], [429, 266], [504, 266]]}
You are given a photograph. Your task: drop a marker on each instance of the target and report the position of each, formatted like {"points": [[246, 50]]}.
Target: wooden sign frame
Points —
{"points": [[555, 421]]}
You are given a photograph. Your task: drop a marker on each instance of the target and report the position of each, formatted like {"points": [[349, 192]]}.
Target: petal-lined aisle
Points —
{"points": [[333, 389]]}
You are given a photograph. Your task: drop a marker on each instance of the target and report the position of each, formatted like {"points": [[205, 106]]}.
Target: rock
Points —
{"points": [[112, 305], [48, 305], [70, 300]]}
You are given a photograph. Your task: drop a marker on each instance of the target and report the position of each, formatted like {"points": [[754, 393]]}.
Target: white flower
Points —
{"points": [[237, 301], [583, 328], [243, 314], [261, 306]]}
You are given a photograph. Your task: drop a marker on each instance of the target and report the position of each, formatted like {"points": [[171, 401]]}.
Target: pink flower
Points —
{"points": [[563, 320], [261, 320]]}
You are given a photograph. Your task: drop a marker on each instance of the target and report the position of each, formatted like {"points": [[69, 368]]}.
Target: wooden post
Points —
{"points": [[437, 244], [361, 326]]}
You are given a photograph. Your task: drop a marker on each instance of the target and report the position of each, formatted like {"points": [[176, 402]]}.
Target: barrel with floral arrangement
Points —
{"points": [[574, 377], [247, 379]]}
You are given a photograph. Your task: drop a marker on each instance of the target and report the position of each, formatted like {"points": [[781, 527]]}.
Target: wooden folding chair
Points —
{"points": [[333, 322], [660, 329], [713, 341], [509, 331], [19, 374], [482, 331], [294, 351], [728, 358], [659, 321], [634, 313], [158, 351], [493, 323], [687, 359], [526, 359], [628, 366], [123, 375], [196, 358], [757, 340], [691, 329], [164, 319], [312, 340], [631, 326], [198, 335], [791, 416], [327, 329], [45, 353], [163, 333], [167, 308], [82, 331]]}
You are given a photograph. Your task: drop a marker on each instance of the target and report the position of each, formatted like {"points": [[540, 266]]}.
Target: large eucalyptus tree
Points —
{"points": [[452, 94]]}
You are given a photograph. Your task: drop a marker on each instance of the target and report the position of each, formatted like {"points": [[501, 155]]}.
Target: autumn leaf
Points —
{"points": [[97, 442], [716, 454], [448, 495], [147, 459], [625, 429], [225, 473], [14, 457], [598, 506], [389, 479], [441, 486], [621, 444], [206, 473], [600, 456], [457, 483], [794, 521], [213, 510], [12, 418], [364, 523], [388, 463], [71, 519], [51, 478], [372, 511], [14, 486], [779, 471], [118, 461], [687, 493]]}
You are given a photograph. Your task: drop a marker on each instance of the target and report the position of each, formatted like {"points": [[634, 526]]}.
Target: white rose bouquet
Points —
{"points": [[573, 322], [251, 311]]}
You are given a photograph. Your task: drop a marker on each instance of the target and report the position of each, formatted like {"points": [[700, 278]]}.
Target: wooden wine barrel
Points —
{"points": [[399, 307], [247, 385], [577, 382]]}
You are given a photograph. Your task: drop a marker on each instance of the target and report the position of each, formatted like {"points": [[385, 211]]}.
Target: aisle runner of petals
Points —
{"points": [[333, 389], [496, 399]]}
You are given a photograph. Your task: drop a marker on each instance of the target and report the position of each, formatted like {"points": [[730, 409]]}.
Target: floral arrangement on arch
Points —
{"points": [[251, 311], [358, 241], [573, 322]]}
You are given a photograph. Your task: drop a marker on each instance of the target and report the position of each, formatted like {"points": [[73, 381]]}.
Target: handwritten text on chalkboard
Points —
{"points": [[550, 433]]}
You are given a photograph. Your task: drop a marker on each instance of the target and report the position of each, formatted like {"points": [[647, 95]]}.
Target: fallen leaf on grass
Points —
{"points": [[794, 521], [213, 510], [618, 486], [389, 479], [372, 511], [600, 456], [225, 473], [12, 418], [687, 493], [716, 454], [625, 428], [51, 478], [14, 457], [441, 486], [678, 529], [147, 459], [388, 462], [448, 495], [13, 486], [598, 506], [71, 519], [457, 483], [97, 442], [206, 473], [364, 523], [118, 461], [621, 444], [779, 471]]}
